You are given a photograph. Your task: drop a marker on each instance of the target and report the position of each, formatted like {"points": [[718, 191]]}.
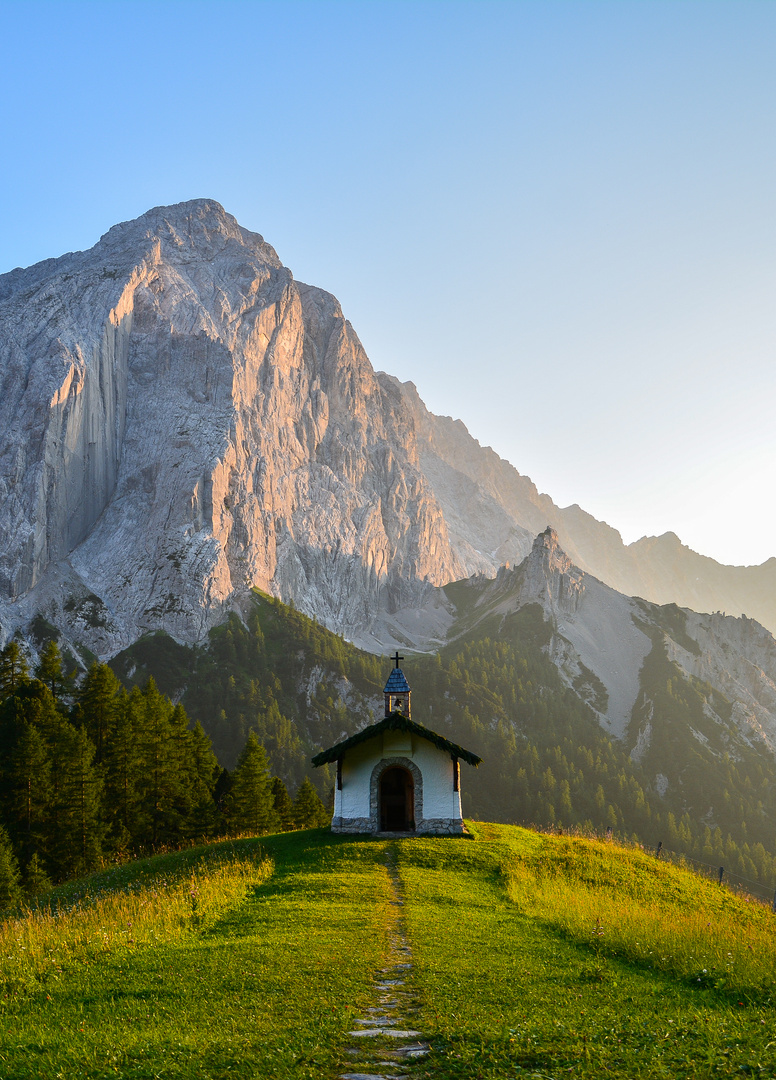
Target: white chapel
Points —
{"points": [[396, 775]]}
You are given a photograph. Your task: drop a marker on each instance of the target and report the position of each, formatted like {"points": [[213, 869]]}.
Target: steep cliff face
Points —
{"points": [[737, 657], [183, 421]]}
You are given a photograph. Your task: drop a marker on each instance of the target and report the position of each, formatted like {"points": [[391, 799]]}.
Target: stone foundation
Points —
{"points": [[440, 827], [351, 825], [426, 827]]}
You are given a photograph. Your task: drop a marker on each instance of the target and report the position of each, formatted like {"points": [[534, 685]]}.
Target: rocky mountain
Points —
{"points": [[652, 673], [182, 421]]}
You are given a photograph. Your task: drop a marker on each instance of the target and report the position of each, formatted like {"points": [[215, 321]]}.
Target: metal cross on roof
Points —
{"points": [[396, 659]]}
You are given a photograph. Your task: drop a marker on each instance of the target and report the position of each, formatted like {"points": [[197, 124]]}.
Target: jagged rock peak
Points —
{"points": [[551, 575], [199, 225], [546, 547]]}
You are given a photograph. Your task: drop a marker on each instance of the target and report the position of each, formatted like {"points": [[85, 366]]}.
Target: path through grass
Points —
{"points": [[536, 956]]}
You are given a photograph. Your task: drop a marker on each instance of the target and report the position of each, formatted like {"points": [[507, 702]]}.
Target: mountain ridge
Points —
{"points": [[602, 639], [183, 421], [659, 568]]}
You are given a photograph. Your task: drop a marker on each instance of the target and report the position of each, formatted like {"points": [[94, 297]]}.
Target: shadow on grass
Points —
{"points": [[305, 864]]}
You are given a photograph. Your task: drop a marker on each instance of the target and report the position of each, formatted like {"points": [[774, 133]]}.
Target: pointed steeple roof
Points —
{"points": [[397, 684]]}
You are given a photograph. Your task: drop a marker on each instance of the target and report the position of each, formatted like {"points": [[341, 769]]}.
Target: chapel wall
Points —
{"points": [[353, 800], [440, 802], [441, 806]]}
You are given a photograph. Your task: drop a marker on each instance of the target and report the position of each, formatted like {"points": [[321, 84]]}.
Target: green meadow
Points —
{"points": [[533, 956]]}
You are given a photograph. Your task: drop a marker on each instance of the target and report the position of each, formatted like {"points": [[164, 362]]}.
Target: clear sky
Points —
{"points": [[557, 218]]}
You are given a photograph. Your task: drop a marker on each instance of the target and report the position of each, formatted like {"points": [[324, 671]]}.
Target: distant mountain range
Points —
{"points": [[181, 420]]}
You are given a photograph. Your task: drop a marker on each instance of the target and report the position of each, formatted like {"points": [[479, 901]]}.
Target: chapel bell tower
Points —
{"points": [[397, 691]]}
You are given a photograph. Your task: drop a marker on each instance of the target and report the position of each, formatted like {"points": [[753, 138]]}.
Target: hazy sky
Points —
{"points": [[557, 218]]}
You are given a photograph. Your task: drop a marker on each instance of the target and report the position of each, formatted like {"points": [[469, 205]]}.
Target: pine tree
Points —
{"points": [[203, 772], [123, 769], [27, 791], [13, 669], [36, 880], [309, 811], [251, 806], [284, 808], [98, 700], [50, 670], [222, 792], [10, 889], [183, 781], [77, 841], [160, 781], [30, 703]]}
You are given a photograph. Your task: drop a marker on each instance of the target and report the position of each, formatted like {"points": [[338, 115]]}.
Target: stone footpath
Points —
{"points": [[386, 1041]]}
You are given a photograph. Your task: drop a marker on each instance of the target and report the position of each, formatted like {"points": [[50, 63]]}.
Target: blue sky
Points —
{"points": [[556, 218]]}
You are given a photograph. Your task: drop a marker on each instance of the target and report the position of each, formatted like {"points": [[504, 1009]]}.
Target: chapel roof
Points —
{"points": [[397, 683], [396, 722]]}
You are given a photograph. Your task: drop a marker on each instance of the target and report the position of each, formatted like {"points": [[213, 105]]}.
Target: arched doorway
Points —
{"points": [[397, 800]]}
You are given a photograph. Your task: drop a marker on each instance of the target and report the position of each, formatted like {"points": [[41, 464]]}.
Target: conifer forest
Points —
{"points": [[92, 771]]}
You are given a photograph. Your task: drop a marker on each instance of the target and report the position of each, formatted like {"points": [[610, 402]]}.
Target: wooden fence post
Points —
{"points": [[721, 873], [659, 846]]}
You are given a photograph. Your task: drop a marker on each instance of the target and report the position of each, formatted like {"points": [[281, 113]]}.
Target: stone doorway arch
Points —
{"points": [[410, 789]]}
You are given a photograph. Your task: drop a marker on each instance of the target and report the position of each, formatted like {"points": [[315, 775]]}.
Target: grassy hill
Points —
{"points": [[534, 955]]}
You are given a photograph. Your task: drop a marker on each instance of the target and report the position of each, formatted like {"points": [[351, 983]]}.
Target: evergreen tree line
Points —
{"points": [[90, 770]]}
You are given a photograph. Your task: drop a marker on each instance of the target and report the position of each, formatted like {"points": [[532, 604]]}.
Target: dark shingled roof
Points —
{"points": [[397, 684], [396, 722]]}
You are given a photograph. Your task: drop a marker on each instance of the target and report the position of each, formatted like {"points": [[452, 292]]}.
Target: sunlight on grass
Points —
{"points": [[533, 956], [543, 956], [122, 911], [624, 903], [240, 960]]}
